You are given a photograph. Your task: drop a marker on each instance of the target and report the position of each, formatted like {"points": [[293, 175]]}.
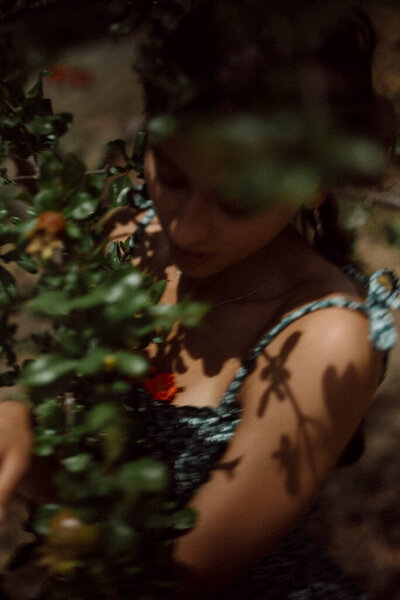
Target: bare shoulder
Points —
{"points": [[321, 369], [330, 337]]}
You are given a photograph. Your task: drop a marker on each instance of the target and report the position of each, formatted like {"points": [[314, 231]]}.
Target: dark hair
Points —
{"points": [[240, 56]]}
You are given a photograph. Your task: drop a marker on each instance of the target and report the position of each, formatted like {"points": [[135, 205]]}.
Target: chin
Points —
{"points": [[197, 272]]}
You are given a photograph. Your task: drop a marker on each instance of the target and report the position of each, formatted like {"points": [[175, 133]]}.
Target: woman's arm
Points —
{"points": [[15, 442], [309, 390]]}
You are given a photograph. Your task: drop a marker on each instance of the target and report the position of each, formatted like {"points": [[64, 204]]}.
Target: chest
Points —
{"points": [[204, 360]]}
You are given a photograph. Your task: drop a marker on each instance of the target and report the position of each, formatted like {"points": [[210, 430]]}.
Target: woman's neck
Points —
{"points": [[262, 275]]}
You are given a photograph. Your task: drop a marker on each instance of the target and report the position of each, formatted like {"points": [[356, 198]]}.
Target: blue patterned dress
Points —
{"points": [[191, 440]]}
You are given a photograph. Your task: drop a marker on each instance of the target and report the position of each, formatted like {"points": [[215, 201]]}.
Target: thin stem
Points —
{"points": [[369, 197], [22, 177], [97, 172], [37, 175]]}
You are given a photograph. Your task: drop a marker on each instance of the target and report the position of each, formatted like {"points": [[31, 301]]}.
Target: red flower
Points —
{"points": [[161, 385], [63, 74]]}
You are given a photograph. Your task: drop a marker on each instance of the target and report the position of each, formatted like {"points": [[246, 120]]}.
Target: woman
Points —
{"points": [[270, 389]]}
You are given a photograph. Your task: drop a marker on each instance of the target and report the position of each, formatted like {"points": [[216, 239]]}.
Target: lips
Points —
{"points": [[182, 254]]}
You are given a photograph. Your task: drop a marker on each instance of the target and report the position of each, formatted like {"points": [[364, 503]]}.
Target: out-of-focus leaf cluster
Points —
{"points": [[281, 157], [106, 536], [27, 122]]}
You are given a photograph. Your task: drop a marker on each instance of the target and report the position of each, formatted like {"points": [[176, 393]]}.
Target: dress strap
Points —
{"points": [[382, 331], [140, 229]]}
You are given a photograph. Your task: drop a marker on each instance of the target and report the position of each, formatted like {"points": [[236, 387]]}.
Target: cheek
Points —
{"points": [[256, 234]]}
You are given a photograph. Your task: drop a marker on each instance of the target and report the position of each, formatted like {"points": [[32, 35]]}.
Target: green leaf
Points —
{"points": [[125, 285], [48, 199], [122, 540], [28, 264], [133, 365], [73, 171], [73, 231], [118, 288], [119, 191], [46, 441], [392, 232], [128, 306], [157, 290], [93, 362], [102, 415], [42, 517], [51, 415], [37, 90], [114, 439], [49, 164], [112, 259], [143, 475], [83, 206], [162, 127], [77, 463], [70, 341], [181, 520], [47, 369], [40, 126], [356, 155], [8, 289], [140, 145], [53, 304]]}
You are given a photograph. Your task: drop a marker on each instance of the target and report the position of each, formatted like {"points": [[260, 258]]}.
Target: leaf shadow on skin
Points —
{"points": [[277, 373], [333, 383], [150, 245], [279, 388]]}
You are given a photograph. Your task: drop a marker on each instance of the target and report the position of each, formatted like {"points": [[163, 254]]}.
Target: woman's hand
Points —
{"points": [[15, 447]]}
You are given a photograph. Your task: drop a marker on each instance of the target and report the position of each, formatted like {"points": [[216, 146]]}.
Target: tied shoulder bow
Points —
{"points": [[382, 297]]}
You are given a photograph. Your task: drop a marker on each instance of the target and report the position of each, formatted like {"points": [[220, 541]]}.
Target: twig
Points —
{"points": [[22, 177], [94, 172], [368, 196]]}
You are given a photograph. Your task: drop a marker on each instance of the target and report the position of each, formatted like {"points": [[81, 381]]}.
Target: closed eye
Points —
{"points": [[237, 210], [171, 181]]}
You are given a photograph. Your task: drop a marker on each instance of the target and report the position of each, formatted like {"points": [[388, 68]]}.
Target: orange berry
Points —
{"points": [[52, 222]]}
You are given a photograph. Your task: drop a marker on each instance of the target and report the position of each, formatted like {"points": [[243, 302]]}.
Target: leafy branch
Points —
{"points": [[107, 534]]}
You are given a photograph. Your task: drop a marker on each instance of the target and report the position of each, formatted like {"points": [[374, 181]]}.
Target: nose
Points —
{"points": [[191, 225]]}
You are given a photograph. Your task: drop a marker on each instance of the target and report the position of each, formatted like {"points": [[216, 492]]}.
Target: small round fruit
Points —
{"points": [[69, 536], [109, 363], [52, 222]]}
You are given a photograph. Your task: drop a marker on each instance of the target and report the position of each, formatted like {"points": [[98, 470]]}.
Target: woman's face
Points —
{"points": [[207, 232]]}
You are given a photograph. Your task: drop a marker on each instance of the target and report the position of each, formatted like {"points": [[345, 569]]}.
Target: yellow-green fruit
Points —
{"points": [[69, 536], [109, 362]]}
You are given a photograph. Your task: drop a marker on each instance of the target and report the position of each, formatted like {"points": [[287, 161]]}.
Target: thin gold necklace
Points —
{"points": [[256, 289]]}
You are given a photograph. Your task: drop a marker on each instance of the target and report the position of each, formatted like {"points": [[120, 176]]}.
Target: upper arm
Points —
{"points": [[307, 394]]}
